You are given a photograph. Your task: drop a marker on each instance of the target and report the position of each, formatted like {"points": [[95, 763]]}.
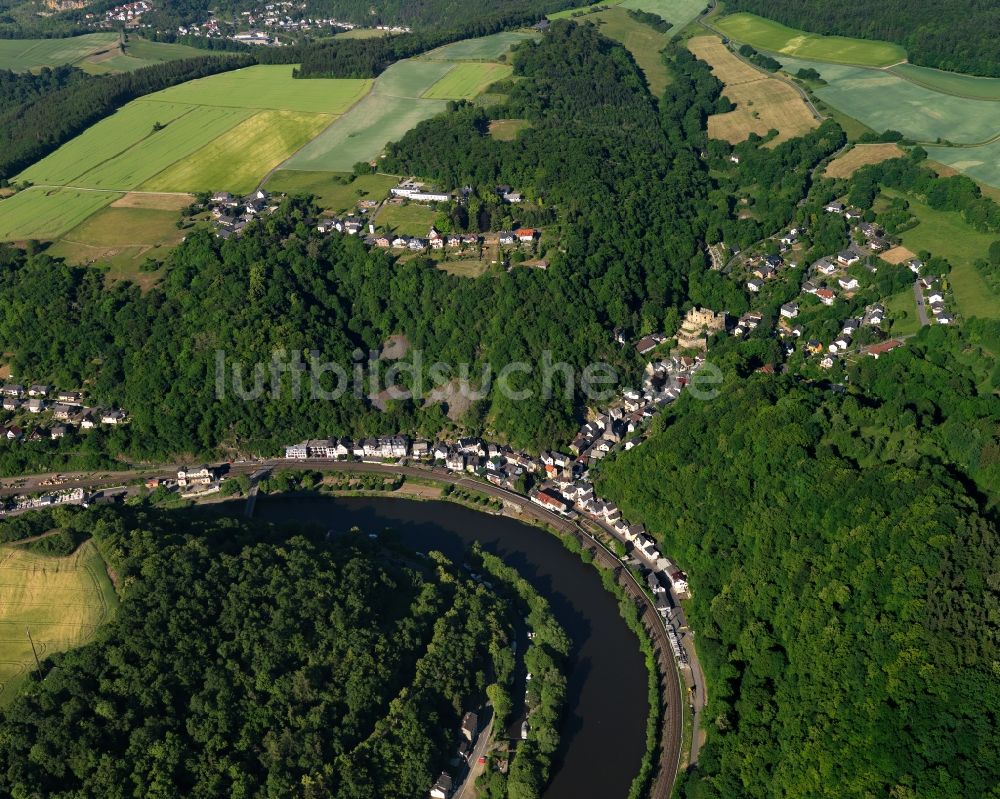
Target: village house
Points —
{"points": [[826, 296], [848, 257], [526, 235], [848, 283], [825, 266], [442, 786], [36, 405], [790, 310], [550, 500], [39, 390], [876, 350], [834, 208]]}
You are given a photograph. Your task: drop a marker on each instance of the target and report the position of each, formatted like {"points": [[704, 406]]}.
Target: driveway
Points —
{"points": [[918, 295]]}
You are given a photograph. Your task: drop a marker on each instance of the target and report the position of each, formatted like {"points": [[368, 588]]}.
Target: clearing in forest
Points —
{"points": [[61, 600], [769, 36], [762, 103], [641, 40], [860, 155]]}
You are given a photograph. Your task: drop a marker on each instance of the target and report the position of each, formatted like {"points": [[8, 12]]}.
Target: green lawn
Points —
{"points": [[413, 219], [970, 86], [23, 55], [361, 33], [486, 48], [268, 87], [642, 41], [241, 156], [901, 309], [885, 101], [980, 163], [410, 78], [945, 233], [330, 190], [467, 80], [48, 213], [677, 12], [765, 34]]}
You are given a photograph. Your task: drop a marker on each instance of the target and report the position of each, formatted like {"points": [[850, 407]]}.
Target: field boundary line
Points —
{"points": [[336, 118]]}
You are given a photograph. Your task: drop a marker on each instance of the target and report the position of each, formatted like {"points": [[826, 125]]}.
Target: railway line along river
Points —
{"points": [[603, 732]]}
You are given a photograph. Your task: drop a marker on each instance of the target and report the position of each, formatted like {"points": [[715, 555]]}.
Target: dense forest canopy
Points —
{"points": [[956, 35], [843, 553], [253, 662]]}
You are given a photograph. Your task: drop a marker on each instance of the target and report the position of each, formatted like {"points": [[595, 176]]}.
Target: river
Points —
{"points": [[603, 732]]}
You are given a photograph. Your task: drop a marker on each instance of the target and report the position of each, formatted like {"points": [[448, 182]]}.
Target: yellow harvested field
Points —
{"points": [[156, 202], [61, 600], [897, 255], [762, 103], [725, 66], [861, 155]]}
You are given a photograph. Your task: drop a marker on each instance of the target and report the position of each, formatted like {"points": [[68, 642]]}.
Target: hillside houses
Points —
{"points": [[233, 214], [66, 407]]}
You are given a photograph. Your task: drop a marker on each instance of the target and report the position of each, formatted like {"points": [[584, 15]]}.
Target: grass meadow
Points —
{"points": [[61, 600], [39, 213], [642, 41], [507, 129], [412, 219], [970, 86], [334, 192], [121, 238], [25, 55], [945, 233], [466, 80], [486, 48], [770, 36]]}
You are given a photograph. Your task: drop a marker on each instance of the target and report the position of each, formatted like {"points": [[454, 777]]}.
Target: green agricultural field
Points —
{"points": [[764, 34], [154, 153], [362, 33], [970, 86], [642, 41], [945, 233], [24, 55], [413, 219], [336, 193], [981, 163], [102, 142], [268, 87], [61, 600], [486, 48], [410, 78], [236, 160], [883, 101], [139, 53], [466, 81], [362, 133], [48, 213]]}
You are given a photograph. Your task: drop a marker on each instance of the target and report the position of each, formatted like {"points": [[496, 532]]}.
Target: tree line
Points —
{"points": [[955, 35]]}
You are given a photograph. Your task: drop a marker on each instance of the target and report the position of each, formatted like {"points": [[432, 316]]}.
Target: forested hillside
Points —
{"points": [[630, 206], [956, 35], [843, 553], [244, 662]]}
